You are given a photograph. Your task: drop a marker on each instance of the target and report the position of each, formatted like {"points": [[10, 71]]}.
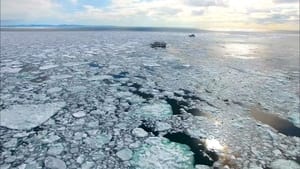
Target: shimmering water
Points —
{"points": [[281, 125]]}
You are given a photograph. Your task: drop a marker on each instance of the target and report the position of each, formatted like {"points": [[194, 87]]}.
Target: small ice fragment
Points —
{"points": [[54, 90], [54, 163], [125, 154], [155, 111], [139, 132], [79, 114], [161, 126], [50, 66]]}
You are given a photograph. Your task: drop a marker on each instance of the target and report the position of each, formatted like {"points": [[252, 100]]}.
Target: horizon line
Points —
{"points": [[129, 28]]}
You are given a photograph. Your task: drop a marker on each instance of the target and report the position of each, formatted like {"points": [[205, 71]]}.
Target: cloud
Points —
{"points": [[286, 1], [204, 14], [206, 2], [74, 2], [197, 12], [29, 9]]}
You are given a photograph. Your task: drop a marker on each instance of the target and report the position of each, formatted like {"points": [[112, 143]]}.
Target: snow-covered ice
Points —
{"points": [[160, 153], [139, 132], [125, 154], [154, 111], [284, 164], [26, 116]]}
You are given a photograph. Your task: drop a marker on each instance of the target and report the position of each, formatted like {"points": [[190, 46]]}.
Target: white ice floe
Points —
{"points": [[54, 90], [54, 163], [125, 154], [99, 77], [160, 153], [10, 70], [50, 66], [55, 149], [76, 89], [284, 164], [202, 167], [98, 141], [73, 64], [155, 111], [27, 116], [161, 126], [151, 64], [88, 165], [139, 132], [79, 114], [59, 77]]}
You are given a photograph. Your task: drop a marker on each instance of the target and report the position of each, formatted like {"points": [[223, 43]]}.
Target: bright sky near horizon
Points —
{"points": [[202, 14]]}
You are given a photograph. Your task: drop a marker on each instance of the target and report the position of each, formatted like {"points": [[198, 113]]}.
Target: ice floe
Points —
{"points": [[125, 154], [24, 117], [139, 132], [160, 153], [284, 164], [154, 111], [50, 66], [54, 163]]}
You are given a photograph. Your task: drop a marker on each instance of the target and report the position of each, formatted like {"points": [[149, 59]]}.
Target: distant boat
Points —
{"points": [[159, 45], [192, 35]]}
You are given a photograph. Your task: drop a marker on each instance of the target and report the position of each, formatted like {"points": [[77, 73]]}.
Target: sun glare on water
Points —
{"points": [[213, 144]]}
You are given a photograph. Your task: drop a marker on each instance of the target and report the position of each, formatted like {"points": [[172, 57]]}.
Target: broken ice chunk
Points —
{"points": [[125, 154], [159, 152], [55, 149], [54, 90], [55, 163], [79, 114], [50, 66], [161, 126], [139, 132], [10, 70], [284, 164], [99, 77], [155, 111], [59, 77], [98, 141], [27, 116]]}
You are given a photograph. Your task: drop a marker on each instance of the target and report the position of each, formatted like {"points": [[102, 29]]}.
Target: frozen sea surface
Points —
{"points": [[106, 99]]}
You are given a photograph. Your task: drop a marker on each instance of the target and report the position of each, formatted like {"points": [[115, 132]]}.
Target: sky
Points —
{"points": [[201, 14]]}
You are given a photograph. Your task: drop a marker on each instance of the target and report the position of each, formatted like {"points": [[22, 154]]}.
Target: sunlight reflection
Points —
{"points": [[217, 122], [213, 144], [240, 51]]}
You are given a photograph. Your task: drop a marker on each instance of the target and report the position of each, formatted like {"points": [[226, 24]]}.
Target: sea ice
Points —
{"points": [[161, 126], [79, 114], [98, 141], [10, 70], [27, 116], [160, 153], [202, 167], [99, 77], [54, 90], [139, 132], [284, 164], [125, 154], [55, 163], [88, 165], [55, 149], [50, 66], [155, 111]]}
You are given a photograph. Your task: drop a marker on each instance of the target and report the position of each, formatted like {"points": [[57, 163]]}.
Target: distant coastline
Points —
{"points": [[96, 28], [46, 27]]}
